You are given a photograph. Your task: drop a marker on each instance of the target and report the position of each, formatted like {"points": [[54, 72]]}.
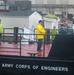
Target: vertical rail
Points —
{"points": [[20, 44], [3, 34], [44, 47]]}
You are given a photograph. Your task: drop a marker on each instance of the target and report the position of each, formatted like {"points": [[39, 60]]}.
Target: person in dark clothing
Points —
{"points": [[68, 31], [62, 30]]}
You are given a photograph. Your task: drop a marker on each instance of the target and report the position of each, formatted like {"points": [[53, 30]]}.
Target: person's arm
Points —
{"points": [[42, 30]]}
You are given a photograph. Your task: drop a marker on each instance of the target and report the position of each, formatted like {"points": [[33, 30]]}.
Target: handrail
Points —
{"points": [[21, 34]]}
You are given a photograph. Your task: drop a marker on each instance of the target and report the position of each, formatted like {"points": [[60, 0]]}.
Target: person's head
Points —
{"points": [[0, 20], [54, 27], [41, 22], [62, 26]]}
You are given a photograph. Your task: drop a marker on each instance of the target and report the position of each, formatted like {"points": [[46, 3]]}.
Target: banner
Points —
{"points": [[35, 66]]}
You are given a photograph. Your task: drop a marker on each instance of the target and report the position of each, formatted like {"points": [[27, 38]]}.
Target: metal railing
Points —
{"points": [[20, 40]]}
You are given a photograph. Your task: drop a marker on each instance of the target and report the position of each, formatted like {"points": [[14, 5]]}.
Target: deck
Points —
{"points": [[17, 50]]}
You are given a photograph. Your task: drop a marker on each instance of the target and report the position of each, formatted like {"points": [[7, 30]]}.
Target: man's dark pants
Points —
{"points": [[39, 44]]}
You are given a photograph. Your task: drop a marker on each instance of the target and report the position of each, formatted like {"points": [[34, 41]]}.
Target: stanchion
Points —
{"points": [[15, 34], [44, 48], [20, 44]]}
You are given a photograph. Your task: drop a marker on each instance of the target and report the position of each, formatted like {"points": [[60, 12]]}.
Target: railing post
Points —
{"points": [[15, 34], [3, 34], [20, 44], [44, 47]]}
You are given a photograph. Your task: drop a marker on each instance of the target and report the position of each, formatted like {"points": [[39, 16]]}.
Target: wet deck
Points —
{"points": [[14, 49]]}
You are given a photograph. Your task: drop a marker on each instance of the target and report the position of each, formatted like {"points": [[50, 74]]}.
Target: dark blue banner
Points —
{"points": [[35, 66]]}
